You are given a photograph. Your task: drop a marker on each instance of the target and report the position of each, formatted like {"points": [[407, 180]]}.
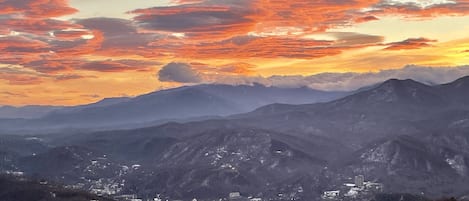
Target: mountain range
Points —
{"points": [[410, 137]]}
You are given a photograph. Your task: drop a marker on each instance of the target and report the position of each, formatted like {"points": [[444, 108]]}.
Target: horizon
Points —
{"points": [[428, 83]]}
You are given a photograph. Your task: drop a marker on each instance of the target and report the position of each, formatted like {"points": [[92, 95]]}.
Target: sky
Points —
{"points": [[59, 52]]}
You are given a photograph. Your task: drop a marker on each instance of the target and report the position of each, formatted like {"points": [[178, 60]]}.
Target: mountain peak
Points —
{"points": [[403, 83], [460, 83], [456, 90], [396, 92]]}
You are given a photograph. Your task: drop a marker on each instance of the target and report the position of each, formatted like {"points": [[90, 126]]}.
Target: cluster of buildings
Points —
{"points": [[359, 189], [135, 198], [15, 173], [236, 196], [233, 196]]}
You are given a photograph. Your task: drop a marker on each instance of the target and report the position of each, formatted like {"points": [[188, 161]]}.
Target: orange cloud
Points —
{"points": [[208, 19], [18, 50], [162, 11], [238, 68], [235, 68], [37, 8], [20, 79], [15, 44], [15, 76], [267, 47], [186, 1], [8, 94], [117, 65], [36, 26], [310, 15]]}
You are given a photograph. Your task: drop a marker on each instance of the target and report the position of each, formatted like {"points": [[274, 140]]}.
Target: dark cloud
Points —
{"points": [[109, 26], [366, 19], [179, 72], [139, 63], [68, 77], [120, 36], [411, 43], [79, 47], [52, 65], [355, 39], [203, 19], [70, 34]]}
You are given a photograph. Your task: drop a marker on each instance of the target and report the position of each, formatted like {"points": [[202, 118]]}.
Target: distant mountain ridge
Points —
{"points": [[26, 112], [38, 111], [172, 104]]}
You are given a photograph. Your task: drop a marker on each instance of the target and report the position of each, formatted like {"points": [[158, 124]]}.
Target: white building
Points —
{"points": [[353, 192], [331, 194], [234, 195], [371, 186]]}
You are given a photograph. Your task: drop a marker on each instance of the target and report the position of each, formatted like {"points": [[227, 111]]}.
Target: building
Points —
{"points": [[359, 181], [331, 194], [127, 198], [375, 187], [353, 192], [234, 195]]}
